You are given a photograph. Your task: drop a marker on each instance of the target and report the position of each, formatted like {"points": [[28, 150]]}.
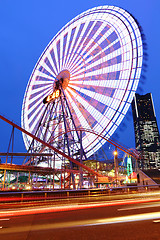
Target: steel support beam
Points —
{"points": [[51, 147]]}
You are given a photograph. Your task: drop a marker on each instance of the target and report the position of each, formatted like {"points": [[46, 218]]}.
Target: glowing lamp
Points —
{"points": [[115, 153]]}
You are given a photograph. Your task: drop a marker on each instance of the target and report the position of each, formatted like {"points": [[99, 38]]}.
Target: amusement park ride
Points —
{"points": [[79, 93]]}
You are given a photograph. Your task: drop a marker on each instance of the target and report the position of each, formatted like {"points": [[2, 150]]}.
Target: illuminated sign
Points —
{"points": [[52, 96]]}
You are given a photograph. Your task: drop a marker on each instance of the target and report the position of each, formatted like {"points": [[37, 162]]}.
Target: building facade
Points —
{"points": [[147, 138]]}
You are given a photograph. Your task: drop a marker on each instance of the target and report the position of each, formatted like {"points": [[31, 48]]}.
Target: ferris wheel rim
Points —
{"points": [[108, 10]]}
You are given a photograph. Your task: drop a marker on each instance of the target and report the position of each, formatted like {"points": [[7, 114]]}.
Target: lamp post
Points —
{"points": [[115, 165]]}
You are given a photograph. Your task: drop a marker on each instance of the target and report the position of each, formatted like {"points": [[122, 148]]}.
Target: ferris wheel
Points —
{"points": [[85, 78]]}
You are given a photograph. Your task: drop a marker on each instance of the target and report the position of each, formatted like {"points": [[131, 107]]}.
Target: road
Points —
{"points": [[115, 219]]}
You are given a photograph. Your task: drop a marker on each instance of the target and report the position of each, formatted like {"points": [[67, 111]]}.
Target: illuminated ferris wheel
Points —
{"points": [[85, 78]]}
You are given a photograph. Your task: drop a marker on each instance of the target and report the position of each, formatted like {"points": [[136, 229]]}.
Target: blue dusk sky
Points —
{"points": [[26, 28]]}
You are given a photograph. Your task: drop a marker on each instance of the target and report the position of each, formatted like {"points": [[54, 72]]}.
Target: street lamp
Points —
{"points": [[115, 165]]}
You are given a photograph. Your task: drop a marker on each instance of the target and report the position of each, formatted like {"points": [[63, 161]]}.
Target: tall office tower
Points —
{"points": [[146, 131]]}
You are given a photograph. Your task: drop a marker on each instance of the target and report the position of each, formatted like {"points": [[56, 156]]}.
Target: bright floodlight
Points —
{"points": [[98, 55]]}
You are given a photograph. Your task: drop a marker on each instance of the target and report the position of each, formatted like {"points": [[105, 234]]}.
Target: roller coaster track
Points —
{"points": [[51, 147]]}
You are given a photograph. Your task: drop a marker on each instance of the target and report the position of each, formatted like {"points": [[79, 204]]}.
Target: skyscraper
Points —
{"points": [[146, 131]]}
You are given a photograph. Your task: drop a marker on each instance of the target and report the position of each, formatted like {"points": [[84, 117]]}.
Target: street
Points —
{"points": [[116, 219]]}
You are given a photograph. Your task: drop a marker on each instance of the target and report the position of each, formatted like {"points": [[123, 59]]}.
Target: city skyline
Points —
{"points": [[21, 48]]}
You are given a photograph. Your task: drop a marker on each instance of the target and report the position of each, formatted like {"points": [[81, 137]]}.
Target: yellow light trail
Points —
{"points": [[84, 223]]}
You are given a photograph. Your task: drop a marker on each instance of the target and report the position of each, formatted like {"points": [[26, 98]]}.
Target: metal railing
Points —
{"points": [[26, 196]]}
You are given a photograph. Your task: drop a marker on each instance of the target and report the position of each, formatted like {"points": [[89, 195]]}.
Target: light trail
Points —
{"points": [[43, 210], [128, 218], [4, 219], [157, 221], [84, 223], [138, 207]]}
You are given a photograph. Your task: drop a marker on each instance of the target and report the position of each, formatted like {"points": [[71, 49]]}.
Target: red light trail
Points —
{"points": [[43, 210]]}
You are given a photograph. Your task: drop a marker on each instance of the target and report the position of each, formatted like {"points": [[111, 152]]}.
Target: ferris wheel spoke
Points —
{"points": [[96, 93], [74, 111], [83, 36], [108, 48], [61, 53], [108, 79], [104, 99], [104, 81], [50, 63], [95, 48], [103, 58], [79, 31], [109, 69], [35, 98], [96, 37], [58, 52], [39, 94], [102, 53], [89, 109], [40, 81], [100, 64], [101, 117], [44, 75], [64, 48], [76, 39], [54, 59], [70, 44], [34, 104], [34, 120], [100, 59], [91, 32], [66, 40], [104, 64], [48, 67], [77, 111], [33, 113], [39, 88]]}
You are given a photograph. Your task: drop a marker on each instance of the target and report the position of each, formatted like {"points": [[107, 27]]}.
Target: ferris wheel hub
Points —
{"points": [[64, 77]]}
